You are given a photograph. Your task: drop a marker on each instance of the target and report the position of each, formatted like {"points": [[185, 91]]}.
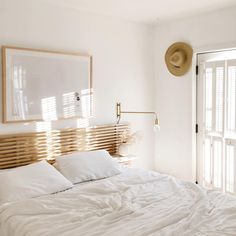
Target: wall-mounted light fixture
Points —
{"points": [[119, 112]]}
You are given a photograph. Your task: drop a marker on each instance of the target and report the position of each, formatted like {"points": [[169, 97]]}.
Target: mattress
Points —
{"points": [[135, 202]]}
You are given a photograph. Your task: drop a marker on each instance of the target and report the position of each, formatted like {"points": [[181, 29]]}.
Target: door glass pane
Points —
{"points": [[230, 168], [207, 162], [208, 99], [219, 98], [217, 178], [231, 98]]}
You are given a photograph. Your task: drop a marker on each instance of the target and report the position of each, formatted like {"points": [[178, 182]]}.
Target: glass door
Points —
{"points": [[216, 118]]}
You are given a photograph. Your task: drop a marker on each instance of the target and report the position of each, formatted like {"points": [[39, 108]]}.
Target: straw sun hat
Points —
{"points": [[179, 58]]}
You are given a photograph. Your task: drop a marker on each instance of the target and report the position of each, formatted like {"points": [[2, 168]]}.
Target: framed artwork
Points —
{"points": [[40, 85]]}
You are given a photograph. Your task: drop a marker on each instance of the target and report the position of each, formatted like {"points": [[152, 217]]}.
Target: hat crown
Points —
{"points": [[177, 58]]}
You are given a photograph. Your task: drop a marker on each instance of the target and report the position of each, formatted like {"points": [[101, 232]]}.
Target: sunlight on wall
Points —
{"points": [[69, 109], [43, 126], [82, 123], [49, 110], [86, 101]]}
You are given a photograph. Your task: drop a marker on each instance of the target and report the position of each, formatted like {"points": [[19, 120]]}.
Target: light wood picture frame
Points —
{"points": [[43, 85]]}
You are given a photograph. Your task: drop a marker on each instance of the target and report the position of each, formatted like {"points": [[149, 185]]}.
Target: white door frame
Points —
{"points": [[197, 51]]}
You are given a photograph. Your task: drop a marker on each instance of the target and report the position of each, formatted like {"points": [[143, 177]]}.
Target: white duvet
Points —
{"points": [[133, 203]]}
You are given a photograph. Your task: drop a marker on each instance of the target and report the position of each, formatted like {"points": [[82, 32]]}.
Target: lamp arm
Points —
{"points": [[139, 112], [119, 112]]}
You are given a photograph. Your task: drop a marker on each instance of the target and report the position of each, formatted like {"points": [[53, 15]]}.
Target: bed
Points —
{"points": [[135, 202], [123, 202]]}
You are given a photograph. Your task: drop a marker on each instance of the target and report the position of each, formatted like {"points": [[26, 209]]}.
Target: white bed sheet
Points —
{"points": [[133, 203]]}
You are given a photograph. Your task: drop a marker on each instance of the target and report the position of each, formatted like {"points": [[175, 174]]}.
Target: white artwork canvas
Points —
{"points": [[43, 85]]}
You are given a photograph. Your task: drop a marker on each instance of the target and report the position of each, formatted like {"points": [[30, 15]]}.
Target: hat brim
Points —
{"points": [[188, 51]]}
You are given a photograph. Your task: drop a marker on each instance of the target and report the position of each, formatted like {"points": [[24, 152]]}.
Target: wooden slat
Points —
{"points": [[25, 148]]}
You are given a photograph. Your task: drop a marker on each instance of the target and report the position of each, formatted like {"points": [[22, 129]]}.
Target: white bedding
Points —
{"points": [[132, 203]]}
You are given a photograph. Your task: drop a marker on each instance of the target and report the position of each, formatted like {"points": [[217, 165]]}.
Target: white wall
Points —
{"points": [[123, 54], [174, 96], [122, 51]]}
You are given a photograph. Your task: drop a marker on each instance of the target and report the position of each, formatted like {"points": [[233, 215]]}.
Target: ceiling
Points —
{"points": [[147, 11]]}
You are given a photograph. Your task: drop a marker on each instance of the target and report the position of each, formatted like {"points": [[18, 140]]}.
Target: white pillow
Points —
{"points": [[30, 181], [84, 166]]}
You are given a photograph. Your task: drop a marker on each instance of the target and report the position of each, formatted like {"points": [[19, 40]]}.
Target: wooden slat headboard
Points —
{"points": [[22, 149]]}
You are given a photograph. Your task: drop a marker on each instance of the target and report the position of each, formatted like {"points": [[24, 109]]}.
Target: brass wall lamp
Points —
{"points": [[119, 112]]}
